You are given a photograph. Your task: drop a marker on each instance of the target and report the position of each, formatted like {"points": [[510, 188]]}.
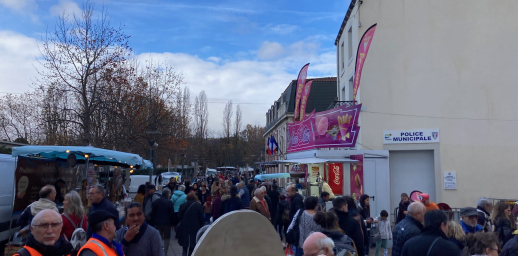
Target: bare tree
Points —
{"points": [[227, 119], [237, 123], [78, 56], [201, 115]]}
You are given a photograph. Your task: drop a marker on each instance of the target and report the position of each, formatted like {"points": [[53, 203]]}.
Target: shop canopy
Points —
{"points": [[314, 160], [81, 153], [271, 176]]}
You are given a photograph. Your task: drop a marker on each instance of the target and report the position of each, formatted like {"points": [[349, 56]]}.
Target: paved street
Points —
{"points": [[174, 248]]}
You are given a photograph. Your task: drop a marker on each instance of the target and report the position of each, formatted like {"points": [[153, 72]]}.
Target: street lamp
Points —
{"points": [[152, 146]]}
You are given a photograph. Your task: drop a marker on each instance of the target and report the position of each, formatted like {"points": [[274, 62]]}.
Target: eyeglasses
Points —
{"points": [[132, 215], [44, 226], [93, 193], [473, 217]]}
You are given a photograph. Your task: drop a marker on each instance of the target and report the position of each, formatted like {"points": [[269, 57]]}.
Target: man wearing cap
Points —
{"points": [[469, 221], [44, 238], [96, 196], [430, 206], [102, 224]]}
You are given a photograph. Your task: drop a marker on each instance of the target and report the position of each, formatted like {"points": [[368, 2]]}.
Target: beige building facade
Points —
{"points": [[446, 66]]}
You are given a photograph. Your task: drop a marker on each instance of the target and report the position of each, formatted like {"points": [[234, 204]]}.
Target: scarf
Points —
{"points": [[140, 233], [113, 244], [41, 205], [62, 247]]}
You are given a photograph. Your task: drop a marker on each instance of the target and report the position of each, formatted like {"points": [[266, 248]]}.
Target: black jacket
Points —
{"points": [[162, 212], [105, 205], [404, 230], [274, 197], [483, 219], [419, 246], [229, 204], [296, 203], [401, 212], [503, 230], [352, 228], [250, 188], [511, 247], [281, 206], [191, 220]]}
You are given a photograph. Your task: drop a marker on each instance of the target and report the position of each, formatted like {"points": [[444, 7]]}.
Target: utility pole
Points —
{"points": [[152, 158]]}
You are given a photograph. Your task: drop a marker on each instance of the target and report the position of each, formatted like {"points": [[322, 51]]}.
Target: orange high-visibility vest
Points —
{"points": [[98, 247], [31, 251]]}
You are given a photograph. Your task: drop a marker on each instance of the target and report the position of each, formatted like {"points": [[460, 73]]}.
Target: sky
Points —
{"points": [[244, 51]]}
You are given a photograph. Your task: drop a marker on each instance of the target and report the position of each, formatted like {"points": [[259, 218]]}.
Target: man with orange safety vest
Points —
{"points": [[45, 239], [102, 224]]}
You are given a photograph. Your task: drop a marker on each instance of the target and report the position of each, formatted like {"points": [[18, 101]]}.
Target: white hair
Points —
{"points": [[181, 188], [416, 207], [326, 242], [263, 188], [257, 191], [483, 202]]}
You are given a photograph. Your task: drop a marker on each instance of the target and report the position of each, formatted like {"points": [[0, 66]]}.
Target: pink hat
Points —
{"points": [[424, 196]]}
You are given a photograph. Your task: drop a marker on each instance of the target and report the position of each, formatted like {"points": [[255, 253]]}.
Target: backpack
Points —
{"points": [[78, 238], [286, 215]]}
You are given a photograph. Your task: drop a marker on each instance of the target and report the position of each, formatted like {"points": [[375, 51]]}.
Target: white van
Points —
{"points": [[166, 176], [7, 168], [136, 181]]}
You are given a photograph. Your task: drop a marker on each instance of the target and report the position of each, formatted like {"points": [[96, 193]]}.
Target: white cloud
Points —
{"points": [[20, 6], [19, 59], [281, 29], [66, 7], [270, 50]]}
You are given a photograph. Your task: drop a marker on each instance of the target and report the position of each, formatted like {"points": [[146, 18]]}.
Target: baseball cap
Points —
{"points": [[424, 196], [468, 211], [100, 216]]}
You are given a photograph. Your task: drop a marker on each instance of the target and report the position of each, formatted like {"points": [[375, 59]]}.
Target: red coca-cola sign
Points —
{"points": [[336, 177]]}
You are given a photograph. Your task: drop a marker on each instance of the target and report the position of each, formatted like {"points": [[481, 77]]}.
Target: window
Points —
{"points": [[350, 43], [351, 90], [342, 51]]}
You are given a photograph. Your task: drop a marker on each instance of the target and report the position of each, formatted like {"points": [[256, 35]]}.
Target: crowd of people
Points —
{"points": [[304, 224]]}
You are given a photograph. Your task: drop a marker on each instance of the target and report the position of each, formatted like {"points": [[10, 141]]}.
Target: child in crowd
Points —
{"points": [[385, 233]]}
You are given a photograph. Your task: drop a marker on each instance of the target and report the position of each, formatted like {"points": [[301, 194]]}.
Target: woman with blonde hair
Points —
{"points": [[73, 215], [502, 218], [456, 234]]}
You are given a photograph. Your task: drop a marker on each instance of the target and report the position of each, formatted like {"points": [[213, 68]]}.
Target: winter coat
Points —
{"points": [[419, 246], [306, 226], [458, 243], [469, 229], [503, 230], [229, 204], [352, 228], [281, 206], [178, 198], [256, 205], [274, 198], [172, 186], [148, 204], [385, 229], [250, 188], [191, 220], [401, 212], [33, 209], [511, 247], [216, 208], [321, 205], [483, 219], [342, 242], [404, 231], [245, 197], [296, 203], [162, 212], [203, 197]]}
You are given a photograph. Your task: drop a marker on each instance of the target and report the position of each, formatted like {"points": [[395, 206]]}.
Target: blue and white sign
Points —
{"points": [[411, 136]]}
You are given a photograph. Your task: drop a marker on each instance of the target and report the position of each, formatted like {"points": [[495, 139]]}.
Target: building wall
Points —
{"points": [[449, 65], [346, 54]]}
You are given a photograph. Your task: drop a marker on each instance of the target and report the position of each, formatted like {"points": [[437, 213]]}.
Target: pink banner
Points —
{"points": [[363, 49], [337, 127], [336, 178], [356, 177], [304, 101], [301, 81]]}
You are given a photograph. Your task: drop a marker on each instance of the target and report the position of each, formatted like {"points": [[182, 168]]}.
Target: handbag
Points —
{"points": [[178, 226], [292, 236]]}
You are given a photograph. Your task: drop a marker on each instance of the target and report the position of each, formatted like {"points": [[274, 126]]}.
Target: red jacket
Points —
{"points": [[68, 228]]}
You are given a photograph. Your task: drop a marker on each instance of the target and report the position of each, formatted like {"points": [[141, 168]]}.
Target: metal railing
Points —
{"points": [[337, 103]]}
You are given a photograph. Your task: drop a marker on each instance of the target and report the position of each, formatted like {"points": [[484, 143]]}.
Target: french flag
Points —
{"points": [[274, 146]]}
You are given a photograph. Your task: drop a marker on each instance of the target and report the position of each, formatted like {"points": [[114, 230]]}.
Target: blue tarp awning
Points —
{"points": [[94, 154], [271, 176]]}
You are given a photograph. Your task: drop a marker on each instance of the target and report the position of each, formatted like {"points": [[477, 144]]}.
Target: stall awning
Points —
{"points": [[95, 154], [314, 160], [271, 176]]}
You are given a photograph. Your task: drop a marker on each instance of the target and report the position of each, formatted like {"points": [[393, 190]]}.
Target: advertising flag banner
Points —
{"points": [[301, 81], [336, 127], [361, 54], [304, 100], [336, 178], [356, 175]]}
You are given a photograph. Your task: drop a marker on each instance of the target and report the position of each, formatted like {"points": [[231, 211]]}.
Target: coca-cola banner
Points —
{"points": [[336, 176], [356, 177], [336, 127]]}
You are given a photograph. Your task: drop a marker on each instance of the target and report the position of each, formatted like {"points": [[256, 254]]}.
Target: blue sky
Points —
{"points": [[245, 51]]}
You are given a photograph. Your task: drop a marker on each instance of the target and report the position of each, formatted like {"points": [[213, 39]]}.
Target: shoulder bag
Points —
{"points": [[292, 236]]}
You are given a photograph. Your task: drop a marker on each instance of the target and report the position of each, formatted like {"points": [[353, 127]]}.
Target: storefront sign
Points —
{"points": [[335, 178], [356, 175], [315, 169], [450, 180], [411, 136], [337, 127]]}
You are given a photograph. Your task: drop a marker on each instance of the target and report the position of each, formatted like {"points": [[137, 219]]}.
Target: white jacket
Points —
{"points": [[385, 229]]}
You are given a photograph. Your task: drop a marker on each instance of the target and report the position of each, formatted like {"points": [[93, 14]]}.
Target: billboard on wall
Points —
{"points": [[337, 127], [335, 178]]}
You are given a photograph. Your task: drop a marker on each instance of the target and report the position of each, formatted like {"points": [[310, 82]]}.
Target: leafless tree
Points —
{"points": [[201, 115], [227, 119], [237, 123]]}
